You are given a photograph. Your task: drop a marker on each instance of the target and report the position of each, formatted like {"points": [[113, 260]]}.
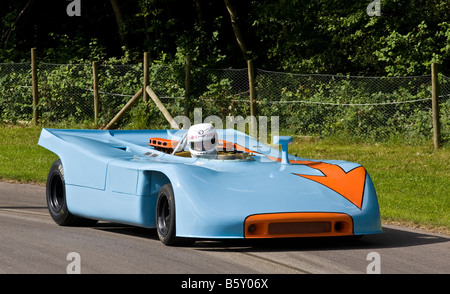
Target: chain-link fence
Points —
{"points": [[15, 91], [221, 92], [379, 108], [346, 105]]}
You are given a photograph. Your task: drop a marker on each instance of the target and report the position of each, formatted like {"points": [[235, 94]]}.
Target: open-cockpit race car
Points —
{"points": [[204, 183]]}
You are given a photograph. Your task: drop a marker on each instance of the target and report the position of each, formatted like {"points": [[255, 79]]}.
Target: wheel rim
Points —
{"points": [[163, 215], [56, 193]]}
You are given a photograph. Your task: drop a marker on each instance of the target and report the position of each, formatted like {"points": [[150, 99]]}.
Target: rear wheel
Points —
{"points": [[165, 218], [56, 198]]}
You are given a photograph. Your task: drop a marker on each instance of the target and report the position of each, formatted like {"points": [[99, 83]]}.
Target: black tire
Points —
{"points": [[56, 199], [165, 218]]}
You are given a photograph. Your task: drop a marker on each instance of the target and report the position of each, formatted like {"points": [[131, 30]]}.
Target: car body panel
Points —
{"points": [[116, 176]]}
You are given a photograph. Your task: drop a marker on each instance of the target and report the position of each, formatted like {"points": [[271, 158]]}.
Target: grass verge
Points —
{"points": [[412, 182], [22, 160]]}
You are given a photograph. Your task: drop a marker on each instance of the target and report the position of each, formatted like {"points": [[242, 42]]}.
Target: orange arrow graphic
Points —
{"points": [[348, 184]]}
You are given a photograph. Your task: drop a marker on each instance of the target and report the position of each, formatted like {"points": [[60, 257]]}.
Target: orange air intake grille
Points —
{"points": [[302, 224]]}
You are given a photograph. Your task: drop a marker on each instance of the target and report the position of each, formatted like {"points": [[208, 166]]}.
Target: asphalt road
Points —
{"points": [[30, 242]]}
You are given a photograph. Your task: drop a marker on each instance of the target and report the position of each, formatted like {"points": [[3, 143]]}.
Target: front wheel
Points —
{"points": [[165, 218], [56, 198]]}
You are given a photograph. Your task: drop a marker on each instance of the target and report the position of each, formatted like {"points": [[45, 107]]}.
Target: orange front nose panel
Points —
{"points": [[305, 224]]}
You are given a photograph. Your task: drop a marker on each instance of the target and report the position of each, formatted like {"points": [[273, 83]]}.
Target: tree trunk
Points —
{"points": [[237, 31], [120, 24], [199, 10]]}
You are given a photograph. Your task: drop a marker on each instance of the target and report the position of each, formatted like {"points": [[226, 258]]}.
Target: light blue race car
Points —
{"points": [[191, 185]]}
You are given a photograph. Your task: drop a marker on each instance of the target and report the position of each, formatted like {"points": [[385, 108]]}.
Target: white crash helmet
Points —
{"points": [[202, 140]]}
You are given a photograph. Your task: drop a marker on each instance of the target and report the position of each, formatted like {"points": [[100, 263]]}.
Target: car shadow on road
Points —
{"points": [[126, 230], [390, 238]]}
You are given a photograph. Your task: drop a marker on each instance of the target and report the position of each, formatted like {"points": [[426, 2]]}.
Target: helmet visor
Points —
{"points": [[206, 145]]}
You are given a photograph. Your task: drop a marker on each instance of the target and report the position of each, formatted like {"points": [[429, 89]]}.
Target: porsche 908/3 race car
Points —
{"points": [[245, 189]]}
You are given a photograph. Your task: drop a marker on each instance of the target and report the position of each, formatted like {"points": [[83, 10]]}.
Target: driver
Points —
{"points": [[202, 140]]}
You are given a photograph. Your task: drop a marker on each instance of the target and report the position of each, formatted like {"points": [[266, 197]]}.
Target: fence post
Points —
{"points": [[162, 108], [34, 83], [435, 92], [123, 110], [252, 90], [95, 75], [145, 84], [187, 85]]}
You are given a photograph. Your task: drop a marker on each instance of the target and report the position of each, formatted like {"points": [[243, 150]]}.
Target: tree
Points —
{"points": [[236, 29], [121, 28], [305, 36]]}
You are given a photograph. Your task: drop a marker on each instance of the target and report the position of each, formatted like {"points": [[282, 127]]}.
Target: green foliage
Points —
{"points": [[370, 108], [290, 36], [15, 92], [377, 109], [217, 97], [339, 37], [70, 50], [413, 52], [63, 92], [293, 36]]}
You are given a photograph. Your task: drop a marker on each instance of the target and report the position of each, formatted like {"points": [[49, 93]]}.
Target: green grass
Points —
{"points": [[412, 182], [22, 160]]}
